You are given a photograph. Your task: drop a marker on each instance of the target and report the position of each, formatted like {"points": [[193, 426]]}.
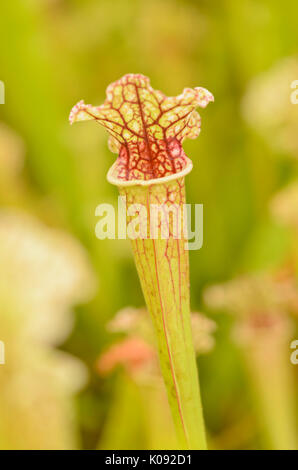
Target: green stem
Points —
{"points": [[163, 269]]}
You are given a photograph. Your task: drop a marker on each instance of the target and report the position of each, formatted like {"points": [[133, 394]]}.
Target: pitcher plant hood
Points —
{"points": [[146, 129]]}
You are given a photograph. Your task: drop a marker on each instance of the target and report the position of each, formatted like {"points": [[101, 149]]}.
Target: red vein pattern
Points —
{"points": [[146, 128]]}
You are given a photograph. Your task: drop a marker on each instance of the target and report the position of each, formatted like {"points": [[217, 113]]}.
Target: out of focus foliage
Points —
{"points": [[52, 177]]}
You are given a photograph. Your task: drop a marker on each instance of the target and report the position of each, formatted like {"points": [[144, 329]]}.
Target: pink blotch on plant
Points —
{"points": [[131, 353]]}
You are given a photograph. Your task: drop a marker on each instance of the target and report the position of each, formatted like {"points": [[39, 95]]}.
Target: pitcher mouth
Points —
{"points": [[154, 181]]}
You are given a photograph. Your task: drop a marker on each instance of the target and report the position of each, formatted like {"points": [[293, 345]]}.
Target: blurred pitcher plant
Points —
{"points": [[44, 272], [263, 304], [147, 130], [133, 355]]}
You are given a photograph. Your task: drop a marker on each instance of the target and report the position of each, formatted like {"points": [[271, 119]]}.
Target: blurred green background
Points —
{"points": [[56, 52]]}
